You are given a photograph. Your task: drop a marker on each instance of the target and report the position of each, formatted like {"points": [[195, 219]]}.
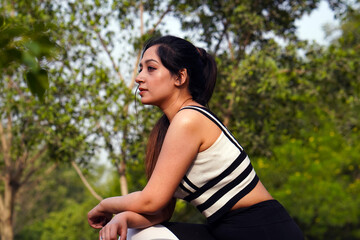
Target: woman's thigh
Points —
{"points": [[171, 231], [156, 232], [265, 220], [190, 231]]}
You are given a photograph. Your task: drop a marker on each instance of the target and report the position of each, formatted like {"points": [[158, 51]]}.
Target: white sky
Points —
{"points": [[310, 27]]}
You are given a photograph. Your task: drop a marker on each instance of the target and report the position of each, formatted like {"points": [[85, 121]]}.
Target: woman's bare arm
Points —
{"points": [[179, 149], [120, 223], [136, 220]]}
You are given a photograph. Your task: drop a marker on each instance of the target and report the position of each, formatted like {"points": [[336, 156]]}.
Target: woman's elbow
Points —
{"points": [[153, 205]]}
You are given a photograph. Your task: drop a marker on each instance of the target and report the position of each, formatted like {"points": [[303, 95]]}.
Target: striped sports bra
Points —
{"points": [[219, 176]]}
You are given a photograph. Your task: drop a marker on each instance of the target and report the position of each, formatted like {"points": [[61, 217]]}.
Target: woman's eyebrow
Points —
{"points": [[149, 60]]}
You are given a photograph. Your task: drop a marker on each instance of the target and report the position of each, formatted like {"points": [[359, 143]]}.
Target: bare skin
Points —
{"points": [[188, 134]]}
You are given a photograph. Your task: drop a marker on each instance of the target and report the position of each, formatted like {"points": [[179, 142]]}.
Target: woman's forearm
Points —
{"points": [[131, 202], [120, 223], [134, 202], [136, 220]]}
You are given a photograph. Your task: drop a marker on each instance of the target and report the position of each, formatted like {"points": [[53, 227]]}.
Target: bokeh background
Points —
{"points": [[73, 131]]}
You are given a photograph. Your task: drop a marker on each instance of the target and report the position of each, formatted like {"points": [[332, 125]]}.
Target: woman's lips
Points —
{"points": [[141, 91]]}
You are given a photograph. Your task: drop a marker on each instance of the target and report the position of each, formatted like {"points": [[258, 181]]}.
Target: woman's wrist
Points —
{"points": [[122, 215], [101, 207], [110, 205]]}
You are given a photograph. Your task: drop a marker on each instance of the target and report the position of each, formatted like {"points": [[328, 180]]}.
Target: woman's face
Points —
{"points": [[156, 83]]}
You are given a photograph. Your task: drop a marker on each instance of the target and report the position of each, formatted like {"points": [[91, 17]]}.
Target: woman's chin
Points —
{"points": [[145, 102]]}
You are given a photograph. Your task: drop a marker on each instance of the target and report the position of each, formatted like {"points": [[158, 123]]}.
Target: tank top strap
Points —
{"points": [[206, 112]]}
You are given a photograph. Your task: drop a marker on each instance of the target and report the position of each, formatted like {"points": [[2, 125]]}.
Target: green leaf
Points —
{"points": [[38, 82]]}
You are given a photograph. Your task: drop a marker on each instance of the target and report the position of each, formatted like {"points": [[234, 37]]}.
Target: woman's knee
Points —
{"points": [[156, 232]]}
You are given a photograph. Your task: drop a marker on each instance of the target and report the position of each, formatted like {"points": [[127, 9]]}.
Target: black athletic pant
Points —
{"points": [[267, 220]]}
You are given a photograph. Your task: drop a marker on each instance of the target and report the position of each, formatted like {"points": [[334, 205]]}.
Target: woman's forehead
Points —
{"points": [[151, 53]]}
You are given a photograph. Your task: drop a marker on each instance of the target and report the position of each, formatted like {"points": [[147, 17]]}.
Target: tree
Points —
{"points": [[88, 104], [57, 206], [278, 101], [315, 172], [316, 178], [25, 48], [272, 95], [106, 24], [237, 31], [27, 45]]}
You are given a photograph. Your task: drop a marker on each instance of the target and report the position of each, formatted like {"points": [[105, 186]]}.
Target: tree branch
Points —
{"points": [[20, 162], [33, 168], [9, 132], [37, 155], [2, 206], [5, 148], [141, 18], [46, 173], [160, 19], [228, 111], [223, 33], [230, 46], [103, 44], [16, 87], [134, 73], [86, 183], [151, 31]]}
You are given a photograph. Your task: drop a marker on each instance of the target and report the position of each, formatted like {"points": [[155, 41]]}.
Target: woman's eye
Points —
{"points": [[140, 69], [150, 69]]}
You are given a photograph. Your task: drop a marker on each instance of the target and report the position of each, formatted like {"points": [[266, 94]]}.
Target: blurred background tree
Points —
{"points": [[68, 110]]}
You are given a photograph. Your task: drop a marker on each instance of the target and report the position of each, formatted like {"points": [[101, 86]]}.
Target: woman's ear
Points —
{"points": [[182, 78]]}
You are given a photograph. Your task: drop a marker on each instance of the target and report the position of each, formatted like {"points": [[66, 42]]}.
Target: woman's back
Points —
{"points": [[221, 174]]}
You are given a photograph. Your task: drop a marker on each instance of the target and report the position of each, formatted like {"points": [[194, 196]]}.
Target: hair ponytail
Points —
{"points": [[176, 54], [209, 75]]}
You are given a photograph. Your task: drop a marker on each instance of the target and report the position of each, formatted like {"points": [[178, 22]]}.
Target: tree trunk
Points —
{"points": [[7, 232], [7, 210], [123, 182]]}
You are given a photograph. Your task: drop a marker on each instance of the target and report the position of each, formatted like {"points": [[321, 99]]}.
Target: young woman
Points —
{"points": [[190, 155]]}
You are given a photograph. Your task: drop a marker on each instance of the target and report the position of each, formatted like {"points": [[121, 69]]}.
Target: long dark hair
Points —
{"points": [[176, 54]]}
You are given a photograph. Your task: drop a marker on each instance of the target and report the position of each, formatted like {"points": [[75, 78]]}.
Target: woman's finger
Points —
{"points": [[123, 233], [113, 232], [101, 235]]}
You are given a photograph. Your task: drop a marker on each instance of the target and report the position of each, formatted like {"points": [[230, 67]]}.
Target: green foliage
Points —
{"points": [[57, 200], [26, 43], [56, 228], [296, 113], [262, 94], [69, 223], [316, 178], [236, 26]]}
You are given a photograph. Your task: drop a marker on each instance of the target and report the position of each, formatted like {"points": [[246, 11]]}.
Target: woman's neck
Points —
{"points": [[173, 108]]}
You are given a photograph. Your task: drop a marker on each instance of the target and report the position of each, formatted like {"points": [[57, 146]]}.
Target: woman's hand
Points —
{"points": [[98, 219], [117, 226]]}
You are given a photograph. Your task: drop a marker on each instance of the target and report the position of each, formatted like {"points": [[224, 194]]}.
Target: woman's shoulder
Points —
{"points": [[187, 117], [198, 121], [194, 118]]}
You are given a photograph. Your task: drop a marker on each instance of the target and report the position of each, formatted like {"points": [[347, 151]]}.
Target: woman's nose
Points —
{"points": [[139, 79]]}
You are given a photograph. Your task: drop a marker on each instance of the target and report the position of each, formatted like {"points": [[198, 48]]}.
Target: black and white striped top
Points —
{"points": [[219, 176]]}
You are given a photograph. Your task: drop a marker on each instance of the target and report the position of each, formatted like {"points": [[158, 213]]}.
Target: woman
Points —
{"points": [[192, 156]]}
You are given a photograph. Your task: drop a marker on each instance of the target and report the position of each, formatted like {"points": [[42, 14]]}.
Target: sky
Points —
{"points": [[310, 27]]}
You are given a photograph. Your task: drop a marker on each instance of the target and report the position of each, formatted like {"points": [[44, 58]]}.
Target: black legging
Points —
{"points": [[267, 220]]}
